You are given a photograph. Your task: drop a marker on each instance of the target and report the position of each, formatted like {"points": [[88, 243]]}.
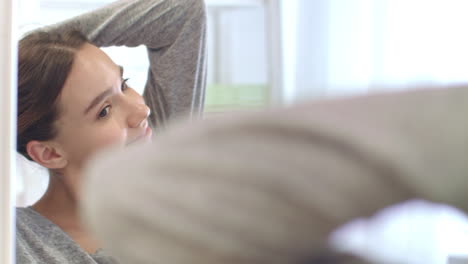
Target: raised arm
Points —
{"points": [[173, 32]]}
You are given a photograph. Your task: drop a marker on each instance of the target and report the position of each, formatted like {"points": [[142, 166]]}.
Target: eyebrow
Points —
{"points": [[102, 95]]}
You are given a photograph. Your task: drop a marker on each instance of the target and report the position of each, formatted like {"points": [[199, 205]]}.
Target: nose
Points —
{"points": [[138, 115]]}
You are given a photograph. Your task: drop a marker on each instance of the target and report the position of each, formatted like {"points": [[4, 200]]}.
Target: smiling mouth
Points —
{"points": [[143, 138]]}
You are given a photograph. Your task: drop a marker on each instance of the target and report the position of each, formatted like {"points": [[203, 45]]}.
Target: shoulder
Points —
{"points": [[26, 217], [38, 240], [24, 230], [29, 224]]}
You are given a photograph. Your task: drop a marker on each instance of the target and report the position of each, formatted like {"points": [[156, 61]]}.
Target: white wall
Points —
{"points": [[312, 47], [356, 46], [240, 54]]}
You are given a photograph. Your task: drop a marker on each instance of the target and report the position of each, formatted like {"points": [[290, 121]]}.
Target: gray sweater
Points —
{"points": [[38, 240], [174, 33]]}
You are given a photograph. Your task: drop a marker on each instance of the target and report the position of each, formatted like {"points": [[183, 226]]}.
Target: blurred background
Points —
{"points": [[264, 53]]}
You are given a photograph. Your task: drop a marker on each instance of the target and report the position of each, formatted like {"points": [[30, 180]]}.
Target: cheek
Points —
{"points": [[110, 135], [86, 141]]}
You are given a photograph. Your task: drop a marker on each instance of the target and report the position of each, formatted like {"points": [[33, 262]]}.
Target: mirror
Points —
{"points": [[318, 49]]}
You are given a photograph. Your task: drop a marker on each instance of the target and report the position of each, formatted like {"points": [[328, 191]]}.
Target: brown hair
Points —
{"points": [[45, 60]]}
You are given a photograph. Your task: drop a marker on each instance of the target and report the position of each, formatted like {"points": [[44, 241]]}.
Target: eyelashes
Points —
{"points": [[106, 110], [124, 84]]}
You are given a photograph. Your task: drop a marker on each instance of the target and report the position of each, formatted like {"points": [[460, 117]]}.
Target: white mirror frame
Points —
{"points": [[8, 94]]}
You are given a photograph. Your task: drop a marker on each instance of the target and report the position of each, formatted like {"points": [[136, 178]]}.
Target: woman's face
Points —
{"points": [[97, 109]]}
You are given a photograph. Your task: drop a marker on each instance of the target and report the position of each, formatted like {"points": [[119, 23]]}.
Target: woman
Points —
{"points": [[73, 101]]}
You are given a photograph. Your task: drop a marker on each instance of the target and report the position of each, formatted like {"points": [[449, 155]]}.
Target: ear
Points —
{"points": [[46, 154]]}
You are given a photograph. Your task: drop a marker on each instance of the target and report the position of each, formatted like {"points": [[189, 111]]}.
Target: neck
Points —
{"points": [[59, 204]]}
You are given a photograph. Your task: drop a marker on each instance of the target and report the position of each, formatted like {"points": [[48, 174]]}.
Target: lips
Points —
{"points": [[144, 137]]}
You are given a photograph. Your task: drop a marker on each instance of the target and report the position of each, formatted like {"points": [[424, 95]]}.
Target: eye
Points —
{"points": [[124, 84], [104, 112]]}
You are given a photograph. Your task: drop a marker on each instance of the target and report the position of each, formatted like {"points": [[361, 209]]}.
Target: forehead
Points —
{"points": [[92, 73]]}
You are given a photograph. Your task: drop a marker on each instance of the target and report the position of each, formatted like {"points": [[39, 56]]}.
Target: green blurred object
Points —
{"points": [[221, 97]]}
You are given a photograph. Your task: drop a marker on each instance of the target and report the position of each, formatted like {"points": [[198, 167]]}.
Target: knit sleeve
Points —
{"points": [[173, 32]]}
